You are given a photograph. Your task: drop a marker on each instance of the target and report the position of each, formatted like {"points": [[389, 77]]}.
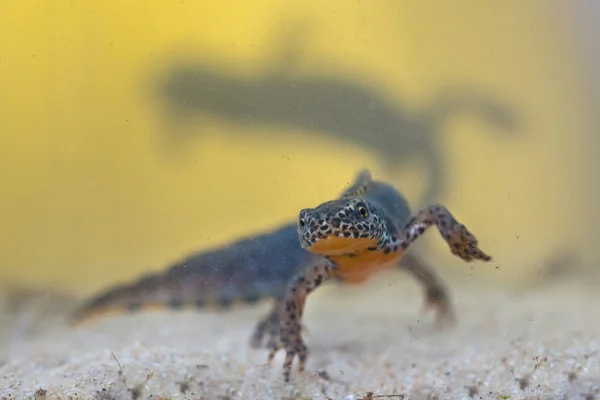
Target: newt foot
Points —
{"points": [[290, 340], [437, 299], [289, 337]]}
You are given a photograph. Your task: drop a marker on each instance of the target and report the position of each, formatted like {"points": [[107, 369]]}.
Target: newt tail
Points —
{"points": [[244, 272]]}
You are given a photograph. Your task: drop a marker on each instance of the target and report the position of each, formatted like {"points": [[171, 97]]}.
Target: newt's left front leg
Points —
{"points": [[290, 338]]}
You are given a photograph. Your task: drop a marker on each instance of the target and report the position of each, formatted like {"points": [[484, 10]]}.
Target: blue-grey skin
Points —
{"points": [[368, 229], [255, 268]]}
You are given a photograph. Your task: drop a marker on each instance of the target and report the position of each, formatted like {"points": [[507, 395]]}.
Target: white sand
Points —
{"points": [[368, 339]]}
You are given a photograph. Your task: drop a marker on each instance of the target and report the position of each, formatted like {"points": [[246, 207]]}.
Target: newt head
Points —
{"points": [[343, 226]]}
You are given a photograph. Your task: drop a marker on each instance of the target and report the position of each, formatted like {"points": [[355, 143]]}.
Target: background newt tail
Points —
{"points": [[245, 271]]}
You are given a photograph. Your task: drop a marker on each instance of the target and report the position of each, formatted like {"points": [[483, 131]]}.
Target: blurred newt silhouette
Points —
{"points": [[346, 110]]}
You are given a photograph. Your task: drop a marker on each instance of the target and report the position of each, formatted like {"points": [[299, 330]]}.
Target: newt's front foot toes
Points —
{"points": [[464, 244], [293, 346]]}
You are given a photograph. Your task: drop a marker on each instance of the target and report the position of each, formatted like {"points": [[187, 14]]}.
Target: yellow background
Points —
{"points": [[91, 196]]}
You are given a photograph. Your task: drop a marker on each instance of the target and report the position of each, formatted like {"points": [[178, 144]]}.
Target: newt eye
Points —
{"points": [[362, 210], [302, 222]]}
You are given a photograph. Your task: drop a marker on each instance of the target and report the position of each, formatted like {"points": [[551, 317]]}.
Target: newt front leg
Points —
{"points": [[290, 337], [355, 235], [462, 243]]}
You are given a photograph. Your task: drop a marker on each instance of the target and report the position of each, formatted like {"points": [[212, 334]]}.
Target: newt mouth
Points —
{"points": [[334, 245]]}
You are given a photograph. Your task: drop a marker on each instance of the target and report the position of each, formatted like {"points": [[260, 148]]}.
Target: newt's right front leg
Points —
{"points": [[462, 243], [290, 337]]}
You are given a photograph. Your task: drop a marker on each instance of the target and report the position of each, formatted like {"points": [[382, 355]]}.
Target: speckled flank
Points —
{"points": [[243, 272], [358, 234]]}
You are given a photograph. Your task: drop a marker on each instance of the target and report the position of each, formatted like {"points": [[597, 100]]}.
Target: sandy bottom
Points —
{"points": [[368, 339]]}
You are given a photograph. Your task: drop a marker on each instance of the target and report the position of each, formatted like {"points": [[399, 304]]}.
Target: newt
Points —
{"points": [[368, 229], [261, 267]]}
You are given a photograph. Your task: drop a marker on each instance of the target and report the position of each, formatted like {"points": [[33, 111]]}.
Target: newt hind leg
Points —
{"points": [[269, 325], [462, 243], [437, 295]]}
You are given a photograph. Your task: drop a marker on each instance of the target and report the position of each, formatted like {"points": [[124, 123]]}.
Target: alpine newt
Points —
{"points": [[367, 229]]}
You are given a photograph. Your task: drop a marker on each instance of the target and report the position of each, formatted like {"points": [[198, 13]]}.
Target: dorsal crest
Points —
{"points": [[360, 186]]}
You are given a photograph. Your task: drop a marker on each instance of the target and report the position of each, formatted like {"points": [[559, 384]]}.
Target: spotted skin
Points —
{"points": [[257, 268], [290, 339], [244, 272], [363, 232]]}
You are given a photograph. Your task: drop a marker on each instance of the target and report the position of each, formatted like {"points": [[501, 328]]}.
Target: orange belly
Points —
{"points": [[335, 246], [358, 268]]}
